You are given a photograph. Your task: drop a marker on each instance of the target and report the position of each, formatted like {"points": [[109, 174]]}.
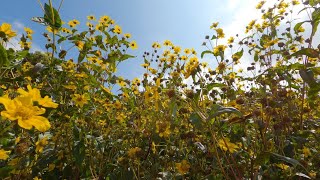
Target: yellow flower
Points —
{"points": [[214, 25], [25, 45], [156, 45], [226, 145], [49, 29], [167, 43], [79, 45], [220, 33], [176, 49], [73, 23], [21, 108], [230, 40], [295, 2], [183, 167], [282, 166], [91, 17], [104, 19], [187, 51], [306, 151], [133, 152], [34, 93], [163, 129], [28, 30], [127, 35], [218, 49], [41, 144], [4, 154], [261, 3], [117, 29], [80, 100], [5, 29], [133, 45]]}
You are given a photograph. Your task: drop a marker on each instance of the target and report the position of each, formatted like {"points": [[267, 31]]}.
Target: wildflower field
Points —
{"points": [[74, 118]]}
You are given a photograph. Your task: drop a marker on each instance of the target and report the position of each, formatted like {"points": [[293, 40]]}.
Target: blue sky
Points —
{"points": [[184, 22]]}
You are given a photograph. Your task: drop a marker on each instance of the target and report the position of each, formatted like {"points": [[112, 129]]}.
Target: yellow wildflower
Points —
{"points": [[220, 33], [156, 45], [183, 167], [133, 45], [5, 29], [127, 35], [132, 153], [41, 144], [80, 99], [28, 30], [91, 18], [73, 23], [226, 145], [214, 25], [21, 108], [4, 154], [306, 151], [117, 29], [230, 40], [34, 93]]}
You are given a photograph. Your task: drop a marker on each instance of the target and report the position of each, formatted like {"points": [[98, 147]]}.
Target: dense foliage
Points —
{"points": [[75, 118]]}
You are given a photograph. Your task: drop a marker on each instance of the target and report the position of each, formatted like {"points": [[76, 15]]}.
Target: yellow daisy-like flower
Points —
{"points": [[156, 45], [28, 30], [220, 33], [218, 49], [91, 18], [5, 29], [80, 99], [117, 29], [230, 40], [226, 145], [127, 35], [167, 43], [4, 154], [133, 152], [133, 45], [79, 45], [183, 167], [214, 25], [73, 23], [35, 95], [21, 109], [41, 144], [104, 19]]}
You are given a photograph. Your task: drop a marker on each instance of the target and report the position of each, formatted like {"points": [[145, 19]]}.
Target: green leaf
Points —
{"points": [[206, 52], [81, 56], [213, 85], [213, 37], [308, 52], [237, 55], [315, 70], [196, 120], [307, 76], [297, 26], [60, 40], [125, 57], [217, 110], [287, 159], [100, 42], [262, 158], [52, 17], [3, 56], [256, 57]]}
